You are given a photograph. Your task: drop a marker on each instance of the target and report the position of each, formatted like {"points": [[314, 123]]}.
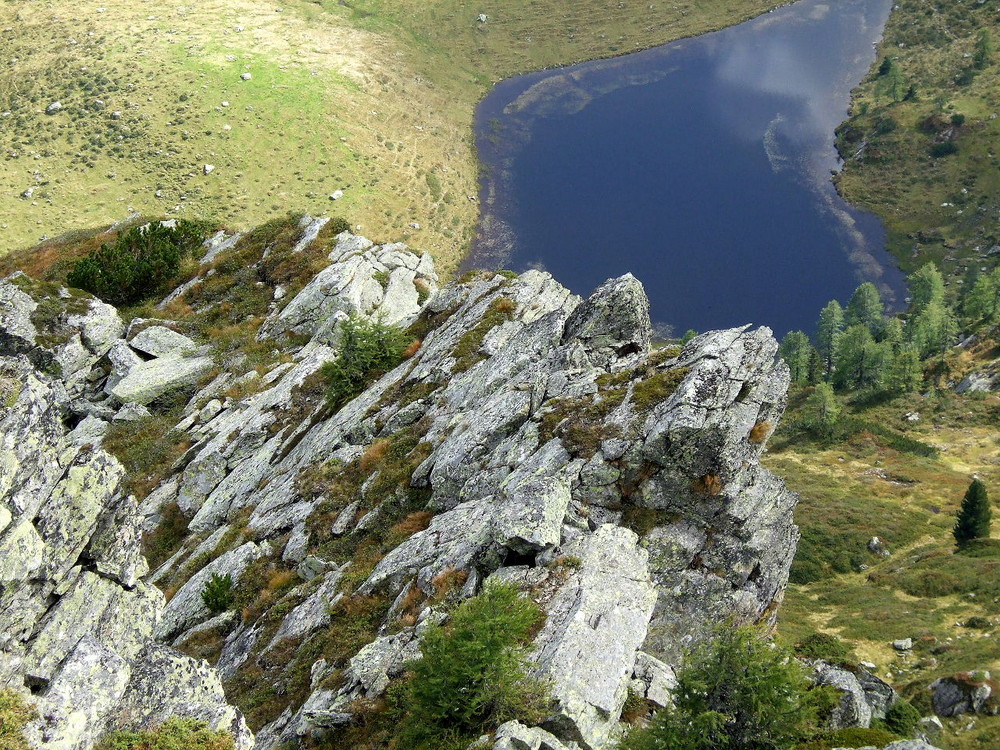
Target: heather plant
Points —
{"points": [[175, 733]]}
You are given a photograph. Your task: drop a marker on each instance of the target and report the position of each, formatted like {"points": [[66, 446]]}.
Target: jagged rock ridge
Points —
{"points": [[529, 428]]}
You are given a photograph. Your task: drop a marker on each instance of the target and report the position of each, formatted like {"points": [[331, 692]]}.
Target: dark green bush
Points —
{"points": [[902, 718], [738, 692], [975, 515], [368, 350], [978, 622], [174, 734], [823, 646], [139, 263], [218, 593], [937, 150], [472, 676]]}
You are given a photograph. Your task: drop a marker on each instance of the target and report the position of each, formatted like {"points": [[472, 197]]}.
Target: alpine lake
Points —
{"points": [[703, 167]]}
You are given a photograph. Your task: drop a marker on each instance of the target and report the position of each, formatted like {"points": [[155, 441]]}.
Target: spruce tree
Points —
{"points": [[974, 516]]}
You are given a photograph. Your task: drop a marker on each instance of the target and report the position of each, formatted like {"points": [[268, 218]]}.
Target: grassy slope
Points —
{"points": [[932, 42], [861, 488], [375, 98]]}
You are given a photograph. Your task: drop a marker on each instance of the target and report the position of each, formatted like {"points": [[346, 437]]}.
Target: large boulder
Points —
{"points": [[964, 693], [62, 331], [595, 624], [384, 281]]}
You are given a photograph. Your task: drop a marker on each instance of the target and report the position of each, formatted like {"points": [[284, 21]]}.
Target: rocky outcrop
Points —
{"points": [[965, 693], [863, 696], [539, 426], [595, 624], [76, 618], [384, 281], [530, 436], [61, 331]]}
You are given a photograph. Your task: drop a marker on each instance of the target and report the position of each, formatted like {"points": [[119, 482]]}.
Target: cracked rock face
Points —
{"points": [[76, 618], [532, 437], [546, 429]]}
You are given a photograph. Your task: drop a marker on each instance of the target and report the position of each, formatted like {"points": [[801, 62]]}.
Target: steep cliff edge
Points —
{"points": [[527, 428]]}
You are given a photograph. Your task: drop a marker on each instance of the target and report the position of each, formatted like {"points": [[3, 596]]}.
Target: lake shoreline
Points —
{"points": [[504, 123]]}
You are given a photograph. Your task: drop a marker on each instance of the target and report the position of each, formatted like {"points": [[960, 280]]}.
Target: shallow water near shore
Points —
{"points": [[702, 167]]}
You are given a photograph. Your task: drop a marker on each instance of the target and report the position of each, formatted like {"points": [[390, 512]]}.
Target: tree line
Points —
{"points": [[858, 349]]}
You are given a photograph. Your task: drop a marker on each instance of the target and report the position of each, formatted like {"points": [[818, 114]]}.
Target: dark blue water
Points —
{"points": [[702, 167]]}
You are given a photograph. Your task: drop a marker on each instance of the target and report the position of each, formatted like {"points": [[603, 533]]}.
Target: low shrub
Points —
{"points": [[368, 349], [902, 718], [947, 148], [139, 263], [823, 646], [174, 734], [737, 691], [218, 593], [473, 674]]}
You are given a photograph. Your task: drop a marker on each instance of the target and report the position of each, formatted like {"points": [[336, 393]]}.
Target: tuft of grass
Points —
{"points": [[175, 733], [163, 541], [709, 484], [148, 449], [761, 432], [15, 713], [467, 351]]}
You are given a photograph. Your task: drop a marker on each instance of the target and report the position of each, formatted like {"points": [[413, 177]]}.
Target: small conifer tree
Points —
{"points": [[974, 516]]}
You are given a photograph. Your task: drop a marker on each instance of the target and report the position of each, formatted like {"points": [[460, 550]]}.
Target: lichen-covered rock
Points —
{"points": [[532, 501], [186, 608], [595, 624], [76, 620], [614, 321], [653, 680], [148, 380], [513, 735], [165, 683], [17, 332], [377, 280], [160, 341], [86, 689], [966, 692], [852, 710], [60, 330]]}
